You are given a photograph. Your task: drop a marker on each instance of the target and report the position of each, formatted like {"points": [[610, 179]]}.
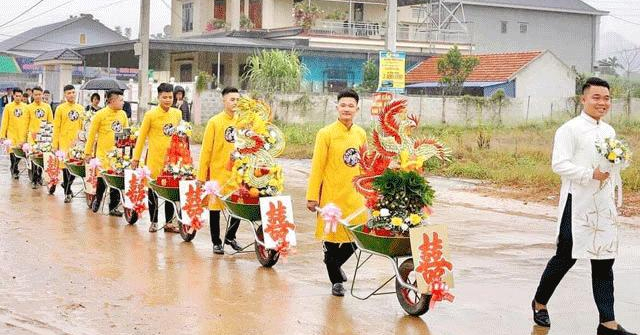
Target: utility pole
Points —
{"points": [[392, 25], [143, 53]]}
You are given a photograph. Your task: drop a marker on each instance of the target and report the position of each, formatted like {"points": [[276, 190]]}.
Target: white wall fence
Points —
{"points": [[321, 108]]}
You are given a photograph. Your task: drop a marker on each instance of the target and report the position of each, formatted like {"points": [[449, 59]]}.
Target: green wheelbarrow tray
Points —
{"points": [[76, 169], [19, 152], [396, 246], [113, 180], [249, 212], [169, 193], [38, 160]]}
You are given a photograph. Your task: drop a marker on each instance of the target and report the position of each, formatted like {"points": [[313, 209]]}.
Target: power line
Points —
{"points": [[625, 20], [39, 14], [19, 15]]}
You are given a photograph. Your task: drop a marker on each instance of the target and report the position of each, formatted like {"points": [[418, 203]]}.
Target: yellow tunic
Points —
{"points": [[104, 125], [15, 123], [217, 146], [333, 167], [67, 123], [37, 114], [158, 126]]}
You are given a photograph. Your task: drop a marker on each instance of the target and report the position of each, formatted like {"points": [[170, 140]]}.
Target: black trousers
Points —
{"points": [[153, 208], [14, 164], [35, 173], [67, 181], [214, 225], [114, 196], [559, 265], [335, 255]]}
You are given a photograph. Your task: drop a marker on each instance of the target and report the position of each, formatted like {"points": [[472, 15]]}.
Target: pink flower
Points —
{"points": [[212, 188], [331, 214], [26, 147], [60, 154], [143, 172], [94, 163]]}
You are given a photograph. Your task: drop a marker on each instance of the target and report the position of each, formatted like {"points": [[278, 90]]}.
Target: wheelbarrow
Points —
{"points": [[250, 213], [116, 182], [171, 195], [78, 170], [396, 249]]}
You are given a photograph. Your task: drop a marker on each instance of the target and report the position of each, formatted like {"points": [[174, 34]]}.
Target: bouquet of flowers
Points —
{"points": [[184, 129], [392, 175], [43, 138], [128, 137], [255, 172], [76, 154], [178, 164], [614, 151], [118, 162], [615, 157]]}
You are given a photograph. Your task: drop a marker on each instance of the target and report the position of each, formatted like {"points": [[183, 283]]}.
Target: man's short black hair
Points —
{"points": [[594, 81], [111, 93], [95, 95], [348, 93], [37, 88], [46, 91], [68, 88], [229, 89], [17, 90], [165, 88], [28, 89]]}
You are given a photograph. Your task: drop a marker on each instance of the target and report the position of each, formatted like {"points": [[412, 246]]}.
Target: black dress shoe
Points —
{"points": [[602, 330], [218, 249], [541, 317], [337, 289], [115, 212], [95, 206], [344, 276], [234, 244]]}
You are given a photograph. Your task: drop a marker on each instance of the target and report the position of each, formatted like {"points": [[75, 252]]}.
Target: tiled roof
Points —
{"points": [[492, 67]]}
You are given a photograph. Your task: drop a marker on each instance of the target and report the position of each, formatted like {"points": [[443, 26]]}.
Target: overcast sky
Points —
{"points": [[624, 18]]}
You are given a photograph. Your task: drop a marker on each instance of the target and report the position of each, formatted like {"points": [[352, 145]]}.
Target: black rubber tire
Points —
{"points": [[413, 303], [266, 257], [130, 216], [184, 233]]}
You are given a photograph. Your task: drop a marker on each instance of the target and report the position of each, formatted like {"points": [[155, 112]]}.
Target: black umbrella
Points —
{"points": [[103, 84]]}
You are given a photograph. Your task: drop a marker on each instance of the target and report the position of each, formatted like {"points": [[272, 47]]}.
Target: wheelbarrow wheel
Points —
{"points": [[266, 257], [130, 215], [89, 198], [184, 232], [411, 301]]}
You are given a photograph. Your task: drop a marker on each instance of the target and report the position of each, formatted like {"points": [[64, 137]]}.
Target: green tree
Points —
{"points": [[609, 65], [271, 71], [454, 69], [370, 76]]}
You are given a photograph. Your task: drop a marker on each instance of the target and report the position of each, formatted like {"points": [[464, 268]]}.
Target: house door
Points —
{"points": [[255, 13], [186, 74]]}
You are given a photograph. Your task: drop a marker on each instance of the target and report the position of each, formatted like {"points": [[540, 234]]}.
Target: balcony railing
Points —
{"points": [[405, 32]]}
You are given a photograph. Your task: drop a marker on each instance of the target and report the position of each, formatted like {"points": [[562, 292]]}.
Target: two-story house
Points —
{"points": [[348, 32]]}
